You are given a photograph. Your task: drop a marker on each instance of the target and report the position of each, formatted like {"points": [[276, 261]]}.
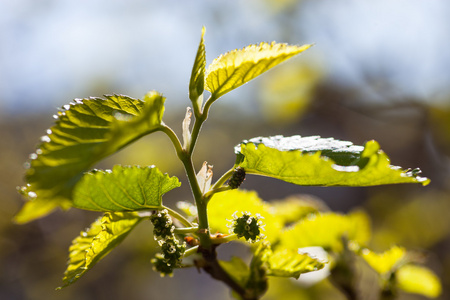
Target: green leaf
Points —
{"points": [[39, 207], [289, 263], [85, 132], [223, 205], [233, 69], [418, 280], [326, 230], [281, 263], [96, 242], [123, 188], [197, 82], [294, 208], [385, 262], [321, 162], [359, 227]]}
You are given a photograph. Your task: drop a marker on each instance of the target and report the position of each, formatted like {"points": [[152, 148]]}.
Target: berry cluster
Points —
{"points": [[247, 226], [172, 250], [160, 265], [237, 178], [162, 225]]}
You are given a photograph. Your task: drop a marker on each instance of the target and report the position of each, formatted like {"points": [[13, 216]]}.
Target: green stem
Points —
{"points": [[224, 239], [211, 193], [196, 130], [203, 232], [206, 248], [186, 158], [190, 251], [208, 104], [223, 179], [185, 230], [178, 216], [175, 141], [197, 108], [199, 120]]}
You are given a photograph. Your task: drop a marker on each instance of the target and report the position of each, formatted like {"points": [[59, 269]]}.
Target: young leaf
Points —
{"points": [[283, 262], [418, 280], [321, 162], [233, 69], [85, 132], [96, 242], [197, 82], [289, 263], [326, 230], [385, 262], [123, 188]]}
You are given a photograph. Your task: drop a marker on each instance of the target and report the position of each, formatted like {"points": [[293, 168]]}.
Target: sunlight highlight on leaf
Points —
{"points": [[233, 69], [85, 132], [386, 261], [96, 242], [326, 230], [320, 161], [294, 208], [289, 263], [418, 280]]}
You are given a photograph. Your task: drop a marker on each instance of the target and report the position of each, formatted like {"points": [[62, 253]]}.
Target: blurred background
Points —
{"points": [[378, 70]]}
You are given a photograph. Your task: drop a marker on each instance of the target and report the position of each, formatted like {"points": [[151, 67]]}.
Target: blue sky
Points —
{"points": [[53, 51]]}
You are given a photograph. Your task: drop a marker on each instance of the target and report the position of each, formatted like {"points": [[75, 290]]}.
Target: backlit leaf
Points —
{"points": [[326, 230], [96, 242], [418, 280], [321, 162], [85, 132], [223, 205], [123, 188], [385, 262], [233, 69], [294, 208], [282, 262], [289, 263]]}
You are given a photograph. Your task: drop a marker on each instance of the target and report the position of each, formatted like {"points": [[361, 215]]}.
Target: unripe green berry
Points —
{"points": [[162, 223], [160, 265], [248, 227], [237, 178], [172, 251]]}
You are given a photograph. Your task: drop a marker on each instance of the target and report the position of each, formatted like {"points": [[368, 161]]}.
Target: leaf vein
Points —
{"points": [[108, 196], [120, 186]]}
